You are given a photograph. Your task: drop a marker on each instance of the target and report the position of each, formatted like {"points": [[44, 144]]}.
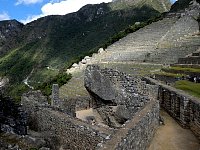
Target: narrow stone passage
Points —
{"points": [[172, 136]]}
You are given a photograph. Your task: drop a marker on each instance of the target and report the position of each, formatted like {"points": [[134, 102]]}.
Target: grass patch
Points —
{"points": [[134, 69], [190, 87], [60, 79], [16, 90], [181, 69], [42, 75], [168, 74]]}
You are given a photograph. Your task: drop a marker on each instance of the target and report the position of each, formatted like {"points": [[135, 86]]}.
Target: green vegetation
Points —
{"points": [[168, 74], [56, 42], [16, 90], [190, 87], [130, 29], [179, 71], [182, 69], [138, 69], [60, 79]]}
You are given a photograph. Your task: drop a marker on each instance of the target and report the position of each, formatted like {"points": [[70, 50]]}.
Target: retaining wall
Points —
{"points": [[70, 132], [138, 132], [189, 60], [184, 108]]}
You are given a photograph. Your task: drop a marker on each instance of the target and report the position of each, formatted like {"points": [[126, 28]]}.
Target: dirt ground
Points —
{"points": [[83, 114], [172, 136]]}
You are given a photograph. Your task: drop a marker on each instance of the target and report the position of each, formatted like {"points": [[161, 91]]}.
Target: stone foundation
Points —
{"points": [[138, 132], [132, 120], [70, 132]]}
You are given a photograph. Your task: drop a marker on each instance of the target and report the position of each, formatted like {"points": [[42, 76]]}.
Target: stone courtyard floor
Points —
{"points": [[172, 136]]}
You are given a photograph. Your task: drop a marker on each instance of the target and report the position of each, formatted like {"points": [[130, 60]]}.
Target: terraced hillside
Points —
{"points": [[39, 50], [161, 42], [158, 42]]}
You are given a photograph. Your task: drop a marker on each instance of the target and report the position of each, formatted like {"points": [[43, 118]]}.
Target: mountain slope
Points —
{"points": [[9, 29], [159, 5], [144, 51], [49, 44]]}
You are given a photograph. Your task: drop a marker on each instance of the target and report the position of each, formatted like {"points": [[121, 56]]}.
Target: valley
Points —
{"points": [[98, 78]]}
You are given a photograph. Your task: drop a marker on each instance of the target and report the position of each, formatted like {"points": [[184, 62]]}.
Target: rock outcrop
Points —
{"points": [[9, 29], [99, 85]]}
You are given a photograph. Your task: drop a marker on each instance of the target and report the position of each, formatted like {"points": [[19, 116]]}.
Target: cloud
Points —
{"points": [[27, 2], [31, 18], [62, 7], [173, 1], [4, 16], [67, 6]]}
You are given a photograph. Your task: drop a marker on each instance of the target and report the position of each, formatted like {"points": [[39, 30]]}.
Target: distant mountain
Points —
{"points": [[159, 5], [40, 49], [9, 29], [181, 5]]}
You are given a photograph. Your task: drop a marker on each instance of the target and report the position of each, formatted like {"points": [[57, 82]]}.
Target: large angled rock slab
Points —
{"points": [[99, 85]]}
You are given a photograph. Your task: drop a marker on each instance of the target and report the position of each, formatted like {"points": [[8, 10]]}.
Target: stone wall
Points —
{"points": [[12, 117], [61, 129], [138, 132], [189, 60], [83, 103], [184, 108], [117, 96], [70, 133], [118, 87], [166, 79], [55, 100], [125, 103], [35, 100]]}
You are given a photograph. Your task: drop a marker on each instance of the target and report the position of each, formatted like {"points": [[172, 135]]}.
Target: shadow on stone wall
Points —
{"points": [[12, 117]]}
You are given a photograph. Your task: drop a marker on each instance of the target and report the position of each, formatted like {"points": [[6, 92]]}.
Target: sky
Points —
{"points": [[28, 10]]}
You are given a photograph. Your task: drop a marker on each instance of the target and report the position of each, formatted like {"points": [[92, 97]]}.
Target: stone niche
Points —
{"points": [[116, 96]]}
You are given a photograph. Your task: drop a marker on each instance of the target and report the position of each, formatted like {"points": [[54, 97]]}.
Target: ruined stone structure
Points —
{"points": [[182, 107], [55, 95], [193, 59], [117, 96], [138, 132], [128, 106], [130, 100], [12, 117]]}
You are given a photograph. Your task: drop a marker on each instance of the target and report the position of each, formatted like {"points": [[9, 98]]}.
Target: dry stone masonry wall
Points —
{"points": [[128, 106], [71, 133], [184, 108], [117, 87], [60, 128], [12, 117], [138, 132], [120, 97]]}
